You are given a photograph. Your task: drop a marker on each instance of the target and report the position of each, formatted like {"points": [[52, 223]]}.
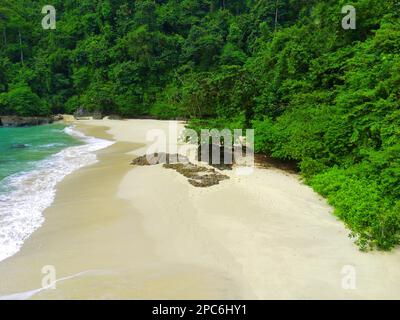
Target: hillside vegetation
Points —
{"points": [[314, 92]]}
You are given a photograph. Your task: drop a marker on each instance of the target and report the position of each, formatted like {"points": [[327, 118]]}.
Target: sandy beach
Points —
{"points": [[117, 231]]}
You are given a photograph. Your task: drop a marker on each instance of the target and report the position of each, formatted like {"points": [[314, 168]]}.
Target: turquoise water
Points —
{"points": [[21, 148], [33, 161]]}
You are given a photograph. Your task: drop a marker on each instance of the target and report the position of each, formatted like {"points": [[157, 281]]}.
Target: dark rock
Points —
{"points": [[80, 112], [16, 121], [140, 161], [58, 117], [158, 158], [97, 115], [19, 146], [84, 113], [226, 156], [198, 176]]}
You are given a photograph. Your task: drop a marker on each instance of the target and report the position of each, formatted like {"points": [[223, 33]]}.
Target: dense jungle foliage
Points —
{"points": [[314, 92]]}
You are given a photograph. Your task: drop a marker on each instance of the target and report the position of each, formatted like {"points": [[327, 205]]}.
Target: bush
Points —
{"points": [[165, 111], [3, 104], [264, 135], [23, 102], [373, 217], [310, 167], [219, 124], [99, 98], [72, 105]]}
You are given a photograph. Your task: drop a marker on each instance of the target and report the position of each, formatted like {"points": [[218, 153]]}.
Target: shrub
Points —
{"points": [[72, 105], [264, 135], [165, 111], [373, 218], [22, 101]]}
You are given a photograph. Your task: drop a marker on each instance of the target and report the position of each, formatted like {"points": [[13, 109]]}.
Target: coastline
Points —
{"points": [[35, 160], [145, 233]]}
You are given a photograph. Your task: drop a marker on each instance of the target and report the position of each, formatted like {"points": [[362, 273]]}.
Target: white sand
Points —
{"points": [[146, 233], [267, 229]]}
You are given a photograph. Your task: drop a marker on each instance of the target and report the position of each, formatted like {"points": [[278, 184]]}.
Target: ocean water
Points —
{"points": [[32, 161]]}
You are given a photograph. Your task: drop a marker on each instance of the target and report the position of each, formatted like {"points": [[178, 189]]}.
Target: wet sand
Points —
{"points": [[117, 231]]}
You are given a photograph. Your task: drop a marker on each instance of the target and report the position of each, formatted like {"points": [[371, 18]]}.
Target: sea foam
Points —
{"points": [[30, 193]]}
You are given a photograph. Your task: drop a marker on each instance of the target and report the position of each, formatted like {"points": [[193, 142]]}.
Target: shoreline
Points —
{"points": [[145, 233], [44, 156]]}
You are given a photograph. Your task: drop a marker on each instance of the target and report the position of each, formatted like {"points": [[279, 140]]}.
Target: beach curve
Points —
{"points": [[263, 236]]}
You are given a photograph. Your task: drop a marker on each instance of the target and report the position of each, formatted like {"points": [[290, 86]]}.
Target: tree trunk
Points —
{"points": [[276, 14], [5, 36], [20, 46]]}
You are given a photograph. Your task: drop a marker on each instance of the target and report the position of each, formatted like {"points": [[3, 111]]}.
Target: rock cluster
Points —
{"points": [[198, 176], [17, 121]]}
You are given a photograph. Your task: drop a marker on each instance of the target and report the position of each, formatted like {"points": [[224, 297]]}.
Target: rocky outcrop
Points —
{"points": [[84, 114], [198, 176], [17, 121], [19, 146]]}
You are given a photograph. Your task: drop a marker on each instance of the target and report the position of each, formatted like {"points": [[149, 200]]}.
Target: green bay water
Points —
{"points": [[21, 148], [33, 160]]}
